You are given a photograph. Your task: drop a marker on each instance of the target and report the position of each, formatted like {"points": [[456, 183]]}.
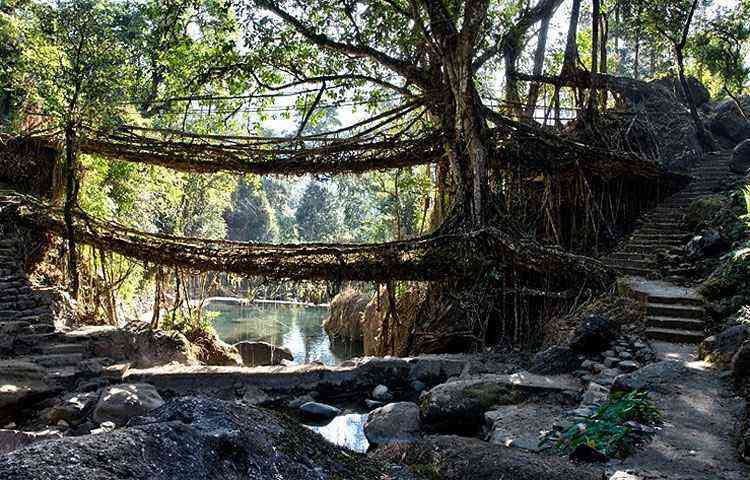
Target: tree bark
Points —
{"points": [[71, 200], [570, 59], [541, 48], [603, 67], [594, 56]]}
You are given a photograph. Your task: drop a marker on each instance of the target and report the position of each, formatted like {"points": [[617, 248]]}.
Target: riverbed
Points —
{"points": [[296, 327]]}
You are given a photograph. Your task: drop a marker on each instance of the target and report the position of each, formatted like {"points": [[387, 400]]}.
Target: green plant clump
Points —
{"points": [[608, 429]]}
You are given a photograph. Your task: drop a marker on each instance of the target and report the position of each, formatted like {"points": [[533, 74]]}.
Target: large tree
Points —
{"points": [[425, 51]]}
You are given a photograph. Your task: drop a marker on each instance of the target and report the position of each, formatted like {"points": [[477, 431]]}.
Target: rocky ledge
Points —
{"points": [[197, 438]]}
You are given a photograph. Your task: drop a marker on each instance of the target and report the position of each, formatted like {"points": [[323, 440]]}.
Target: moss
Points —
{"points": [[487, 395]]}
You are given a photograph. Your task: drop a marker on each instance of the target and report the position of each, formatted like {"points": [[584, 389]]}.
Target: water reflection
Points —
{"points": [[299, 328], [346, 431]]}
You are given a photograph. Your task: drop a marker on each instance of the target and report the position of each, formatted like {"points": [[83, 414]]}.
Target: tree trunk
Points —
{"points": [[71, 200], [570, 59], [603, 67], [541, 48], [157, 298], [594, 56], [703, 137]]}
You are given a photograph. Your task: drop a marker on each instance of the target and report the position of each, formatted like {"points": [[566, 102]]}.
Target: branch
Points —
{"points": [[407, 70], [311, 110]]}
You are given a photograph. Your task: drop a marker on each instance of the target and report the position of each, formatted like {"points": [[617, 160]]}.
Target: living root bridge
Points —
{"points": [[456, 256]]}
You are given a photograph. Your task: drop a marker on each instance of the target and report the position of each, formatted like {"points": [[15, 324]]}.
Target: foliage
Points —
{"points": [[316, 215], [250, 217], [608, 429]]}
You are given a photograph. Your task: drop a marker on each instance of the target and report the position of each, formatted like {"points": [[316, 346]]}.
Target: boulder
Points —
{"points": [[21, 383], [555, 360], [656, 377], [396, 422], [729, 123], [345, 319], [262, 353], [720, 348], [461, 404], [593, 335], [197, 438], [449, 457], [120, 403], [707, 244], [381, 393], [11, 440], [699, 92], [318, 411], [741, 157], [74, 409], [140, 345]]}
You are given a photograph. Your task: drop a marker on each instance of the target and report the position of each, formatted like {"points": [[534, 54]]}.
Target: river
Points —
{"points": [[296, 327]]}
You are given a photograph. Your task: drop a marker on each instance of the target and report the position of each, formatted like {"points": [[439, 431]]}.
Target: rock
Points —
{"points": [[397, 422], [555, 360], [318, 411], [140, 345], [262, 353], [741, 364], [255, 396], [741, 155], [595, 394], [655, 377], [21, 384], [373, 404], [625, 355], [120, 403], [611, 362], [729, 122], [11, 440], [707, 244], [720, 348], [418, 386], [522, 426], [197, 438], [297, 402], [585, 454], [381, 393], [74, 409], [698, 91], [628, 366], [460, 404], [594, 334], [451, 457]]}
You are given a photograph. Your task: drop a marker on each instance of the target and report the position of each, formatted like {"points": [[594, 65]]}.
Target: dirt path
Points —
{"points": [[701, 412]]}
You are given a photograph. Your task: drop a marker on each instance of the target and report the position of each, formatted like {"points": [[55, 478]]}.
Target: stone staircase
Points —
{"points": [[673, 314], [27, 328]]}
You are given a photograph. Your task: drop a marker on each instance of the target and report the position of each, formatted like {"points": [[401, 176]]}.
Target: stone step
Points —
{"points": [[63, 348], [674, 336], [645, 248], [640, 264], [637, 272], [22, 304], [55, 360], [630, 256], [689, 324], [15, 328], [649, 229], [674, 311], [676, 300]]}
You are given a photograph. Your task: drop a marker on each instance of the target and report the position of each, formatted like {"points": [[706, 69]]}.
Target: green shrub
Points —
{"points": [[607, 430]]}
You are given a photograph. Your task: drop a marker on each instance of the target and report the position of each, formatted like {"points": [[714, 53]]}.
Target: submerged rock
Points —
{"points": [[120, 403], [262, 353], [197, 438], [396, 422]]}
